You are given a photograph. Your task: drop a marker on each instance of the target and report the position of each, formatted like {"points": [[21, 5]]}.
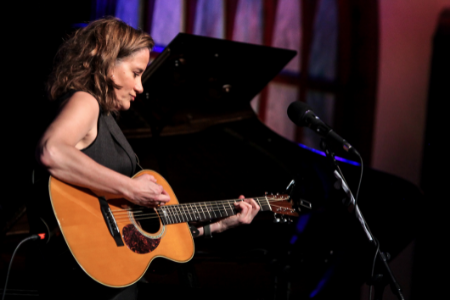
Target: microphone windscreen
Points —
{"points": [[296, 112]]}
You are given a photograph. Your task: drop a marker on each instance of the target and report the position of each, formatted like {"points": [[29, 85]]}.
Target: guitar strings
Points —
{"points": [[201, 204], [177, 217], [176, 213], [181, 214], [180, 218], [186, 207], [206, 203]]}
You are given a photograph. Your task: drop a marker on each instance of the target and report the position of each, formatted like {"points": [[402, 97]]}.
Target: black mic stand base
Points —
{"points": [[379, 280]]}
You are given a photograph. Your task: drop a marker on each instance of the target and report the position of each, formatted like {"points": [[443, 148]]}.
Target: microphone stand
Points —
{"points": [[384, 276]]}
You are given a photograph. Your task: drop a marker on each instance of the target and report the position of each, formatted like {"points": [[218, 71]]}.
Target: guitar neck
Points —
{"points": [[204, 211]]}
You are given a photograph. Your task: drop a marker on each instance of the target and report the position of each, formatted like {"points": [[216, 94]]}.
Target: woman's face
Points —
{"points": [[127, 73]]}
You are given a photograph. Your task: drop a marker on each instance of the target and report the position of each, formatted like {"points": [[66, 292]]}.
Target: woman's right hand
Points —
{"points": [[146, 192]]}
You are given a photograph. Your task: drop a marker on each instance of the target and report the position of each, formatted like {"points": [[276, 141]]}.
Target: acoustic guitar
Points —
{"points": [[114, 242]]}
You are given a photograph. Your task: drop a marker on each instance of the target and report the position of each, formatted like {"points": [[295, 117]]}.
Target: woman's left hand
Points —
{"points": [[247, 212]]}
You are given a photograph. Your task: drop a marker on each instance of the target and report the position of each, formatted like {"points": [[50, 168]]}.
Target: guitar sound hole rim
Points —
{"points": [[156, 235]]}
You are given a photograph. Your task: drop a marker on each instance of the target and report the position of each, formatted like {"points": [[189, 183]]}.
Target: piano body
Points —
{"points": [[194, 124]]}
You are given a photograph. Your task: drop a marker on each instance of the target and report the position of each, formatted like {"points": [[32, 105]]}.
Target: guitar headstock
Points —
{"points": [[277, 197], [281, 205]]}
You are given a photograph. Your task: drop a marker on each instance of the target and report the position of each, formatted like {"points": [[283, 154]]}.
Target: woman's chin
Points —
{"points": [[123, 106]]}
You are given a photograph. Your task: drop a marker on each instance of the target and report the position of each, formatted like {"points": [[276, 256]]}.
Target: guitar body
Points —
{"points": [[79, 215]]}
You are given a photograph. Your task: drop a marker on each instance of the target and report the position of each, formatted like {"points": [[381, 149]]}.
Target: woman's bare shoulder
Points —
{"points": [[78, 113], [81, 98], [75, 123], [79, 103]]}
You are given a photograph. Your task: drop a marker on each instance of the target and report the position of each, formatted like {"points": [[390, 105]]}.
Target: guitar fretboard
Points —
{"points": [[203, 211]]}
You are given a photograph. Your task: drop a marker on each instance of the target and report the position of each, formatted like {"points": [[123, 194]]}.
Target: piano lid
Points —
{"points": [[200, 81]]}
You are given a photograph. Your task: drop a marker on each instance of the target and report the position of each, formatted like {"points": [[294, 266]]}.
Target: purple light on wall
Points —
{"points": [[209, 18], [344, 160], [158, 48], [128, 11], [79, 25]]}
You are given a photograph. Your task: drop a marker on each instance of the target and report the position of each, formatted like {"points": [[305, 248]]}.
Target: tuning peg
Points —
{"points": [[275, 219], [285, 220]]}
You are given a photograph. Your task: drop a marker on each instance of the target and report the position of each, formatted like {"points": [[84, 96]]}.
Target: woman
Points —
{"points": [[97, 74]]}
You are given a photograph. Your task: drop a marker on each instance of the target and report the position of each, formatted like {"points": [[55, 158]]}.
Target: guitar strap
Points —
{"points": [[194, 231]]}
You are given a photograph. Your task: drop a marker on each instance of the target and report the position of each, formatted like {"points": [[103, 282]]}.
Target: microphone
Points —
{"points": [[302, 115]]}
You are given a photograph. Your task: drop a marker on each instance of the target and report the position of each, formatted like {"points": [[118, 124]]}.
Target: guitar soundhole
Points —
{"points": [[137, 242], [148, 220]]}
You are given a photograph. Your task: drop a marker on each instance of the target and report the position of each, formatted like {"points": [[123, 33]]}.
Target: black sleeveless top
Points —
{"points": [[110, 148]]}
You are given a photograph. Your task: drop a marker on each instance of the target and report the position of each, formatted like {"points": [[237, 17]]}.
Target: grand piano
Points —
{"points": [[194, 125]]}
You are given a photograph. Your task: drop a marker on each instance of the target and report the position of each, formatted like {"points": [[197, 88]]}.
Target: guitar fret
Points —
{"points": [[195, 217], [267, 200], [193, 212], [203, 212], [167, 215], [231, 208], [207, 210], [263, 206], [213, 210], [181, 213], [161, 215], [219, 211], [186, 212], [198, 213], [174, 215], [259, 203], [225, 209], [177, 213]]}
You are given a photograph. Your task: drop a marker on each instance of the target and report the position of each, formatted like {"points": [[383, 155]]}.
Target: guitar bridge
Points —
{"points": [[110, 221]]}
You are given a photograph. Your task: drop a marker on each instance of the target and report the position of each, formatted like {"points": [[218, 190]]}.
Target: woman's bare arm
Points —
{"points": [[75, 128]]}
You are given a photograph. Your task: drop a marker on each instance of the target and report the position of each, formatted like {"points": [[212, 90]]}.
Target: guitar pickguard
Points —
{"points": [[137, 242]]}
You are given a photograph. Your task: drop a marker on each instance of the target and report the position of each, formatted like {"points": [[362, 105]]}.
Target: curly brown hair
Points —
{"points": [[84, 60]]}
